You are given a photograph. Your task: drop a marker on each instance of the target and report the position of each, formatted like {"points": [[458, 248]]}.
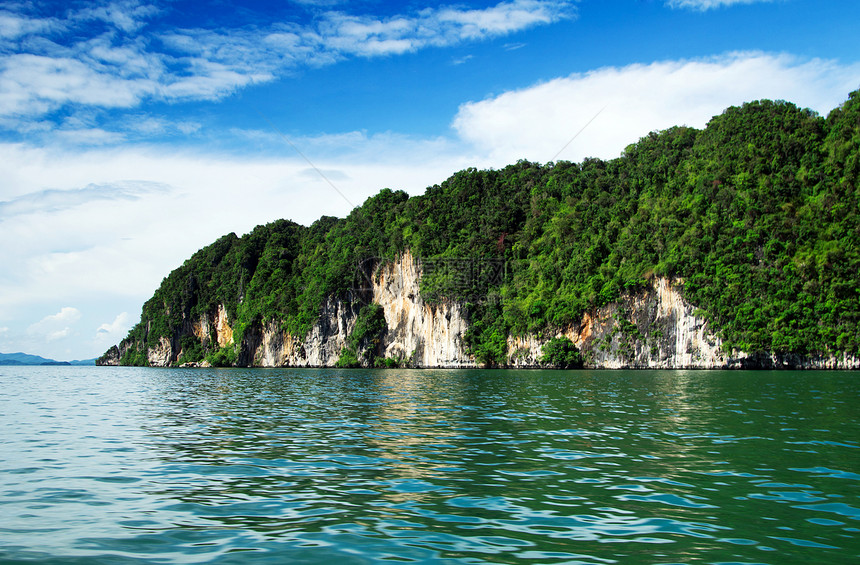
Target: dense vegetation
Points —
{"points": [[759, 214]]}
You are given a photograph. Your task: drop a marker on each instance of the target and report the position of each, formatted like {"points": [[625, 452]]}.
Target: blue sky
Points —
{"points": [[133, 133]]}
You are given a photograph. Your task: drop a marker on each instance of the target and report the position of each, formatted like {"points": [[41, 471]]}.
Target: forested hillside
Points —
{"points": [[758, 214]]}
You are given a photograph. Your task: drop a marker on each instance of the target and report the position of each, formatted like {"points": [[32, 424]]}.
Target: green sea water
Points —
{"points": [[126, 465]]}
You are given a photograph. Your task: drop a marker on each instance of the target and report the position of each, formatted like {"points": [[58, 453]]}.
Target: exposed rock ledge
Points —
{"points": [[651, 328]]}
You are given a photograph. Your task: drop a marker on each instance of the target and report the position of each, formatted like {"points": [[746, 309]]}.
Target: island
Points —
{"points": [[733, 246]]}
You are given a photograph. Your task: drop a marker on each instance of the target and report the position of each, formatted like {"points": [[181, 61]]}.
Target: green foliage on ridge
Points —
{"points": [[758, 214]]}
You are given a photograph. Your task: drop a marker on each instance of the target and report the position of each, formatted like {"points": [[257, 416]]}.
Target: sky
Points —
{"points": [[133, 133]]}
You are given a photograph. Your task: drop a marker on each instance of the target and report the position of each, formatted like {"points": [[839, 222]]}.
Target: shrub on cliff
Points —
{"points": [[561, 353]]}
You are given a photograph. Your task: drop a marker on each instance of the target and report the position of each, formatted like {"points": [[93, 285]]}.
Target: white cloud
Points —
{"points": [[370, 36], [52, 200], [56, 326], [111, 333], [35, 84], [116, 70], [536, 122], [446, 26], [501, 19], [66, 315], [58, 334], [13, 26], [89, 136], [148, 125], [120, 322], [320, 2], [126, 15], [703, 5]]}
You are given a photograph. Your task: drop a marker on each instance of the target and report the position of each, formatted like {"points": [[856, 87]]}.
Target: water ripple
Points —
{"points": [[233, 466]]}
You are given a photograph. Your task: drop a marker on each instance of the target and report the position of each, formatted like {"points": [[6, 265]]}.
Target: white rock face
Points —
{"points": [[223, 331], [321, 347], [160, 356], [421, 334], [428, 335], [667, 334], [654, 327]]}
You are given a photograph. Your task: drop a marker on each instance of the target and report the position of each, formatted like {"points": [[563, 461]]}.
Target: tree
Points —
{"points": [[561, 353]]}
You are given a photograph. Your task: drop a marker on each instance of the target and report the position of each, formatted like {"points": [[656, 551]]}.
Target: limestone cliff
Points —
{"points": [[270, 346], [420, 334], [210, 330], [428, 335], [654, 327]]}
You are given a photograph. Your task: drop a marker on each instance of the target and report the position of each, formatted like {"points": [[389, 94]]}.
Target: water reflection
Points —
{"points": [[543, 459], [464, 466]]}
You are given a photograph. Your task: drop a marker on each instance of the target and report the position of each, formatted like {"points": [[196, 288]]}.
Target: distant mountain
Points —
{"points": [[26, 359], [83, 362], [22, 359]]}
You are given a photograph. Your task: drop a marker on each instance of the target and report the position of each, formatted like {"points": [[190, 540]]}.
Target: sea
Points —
{"points": [[121, 465]]}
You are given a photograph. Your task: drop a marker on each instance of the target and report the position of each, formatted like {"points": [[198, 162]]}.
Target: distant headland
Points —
{"points": [[27, 359]]}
